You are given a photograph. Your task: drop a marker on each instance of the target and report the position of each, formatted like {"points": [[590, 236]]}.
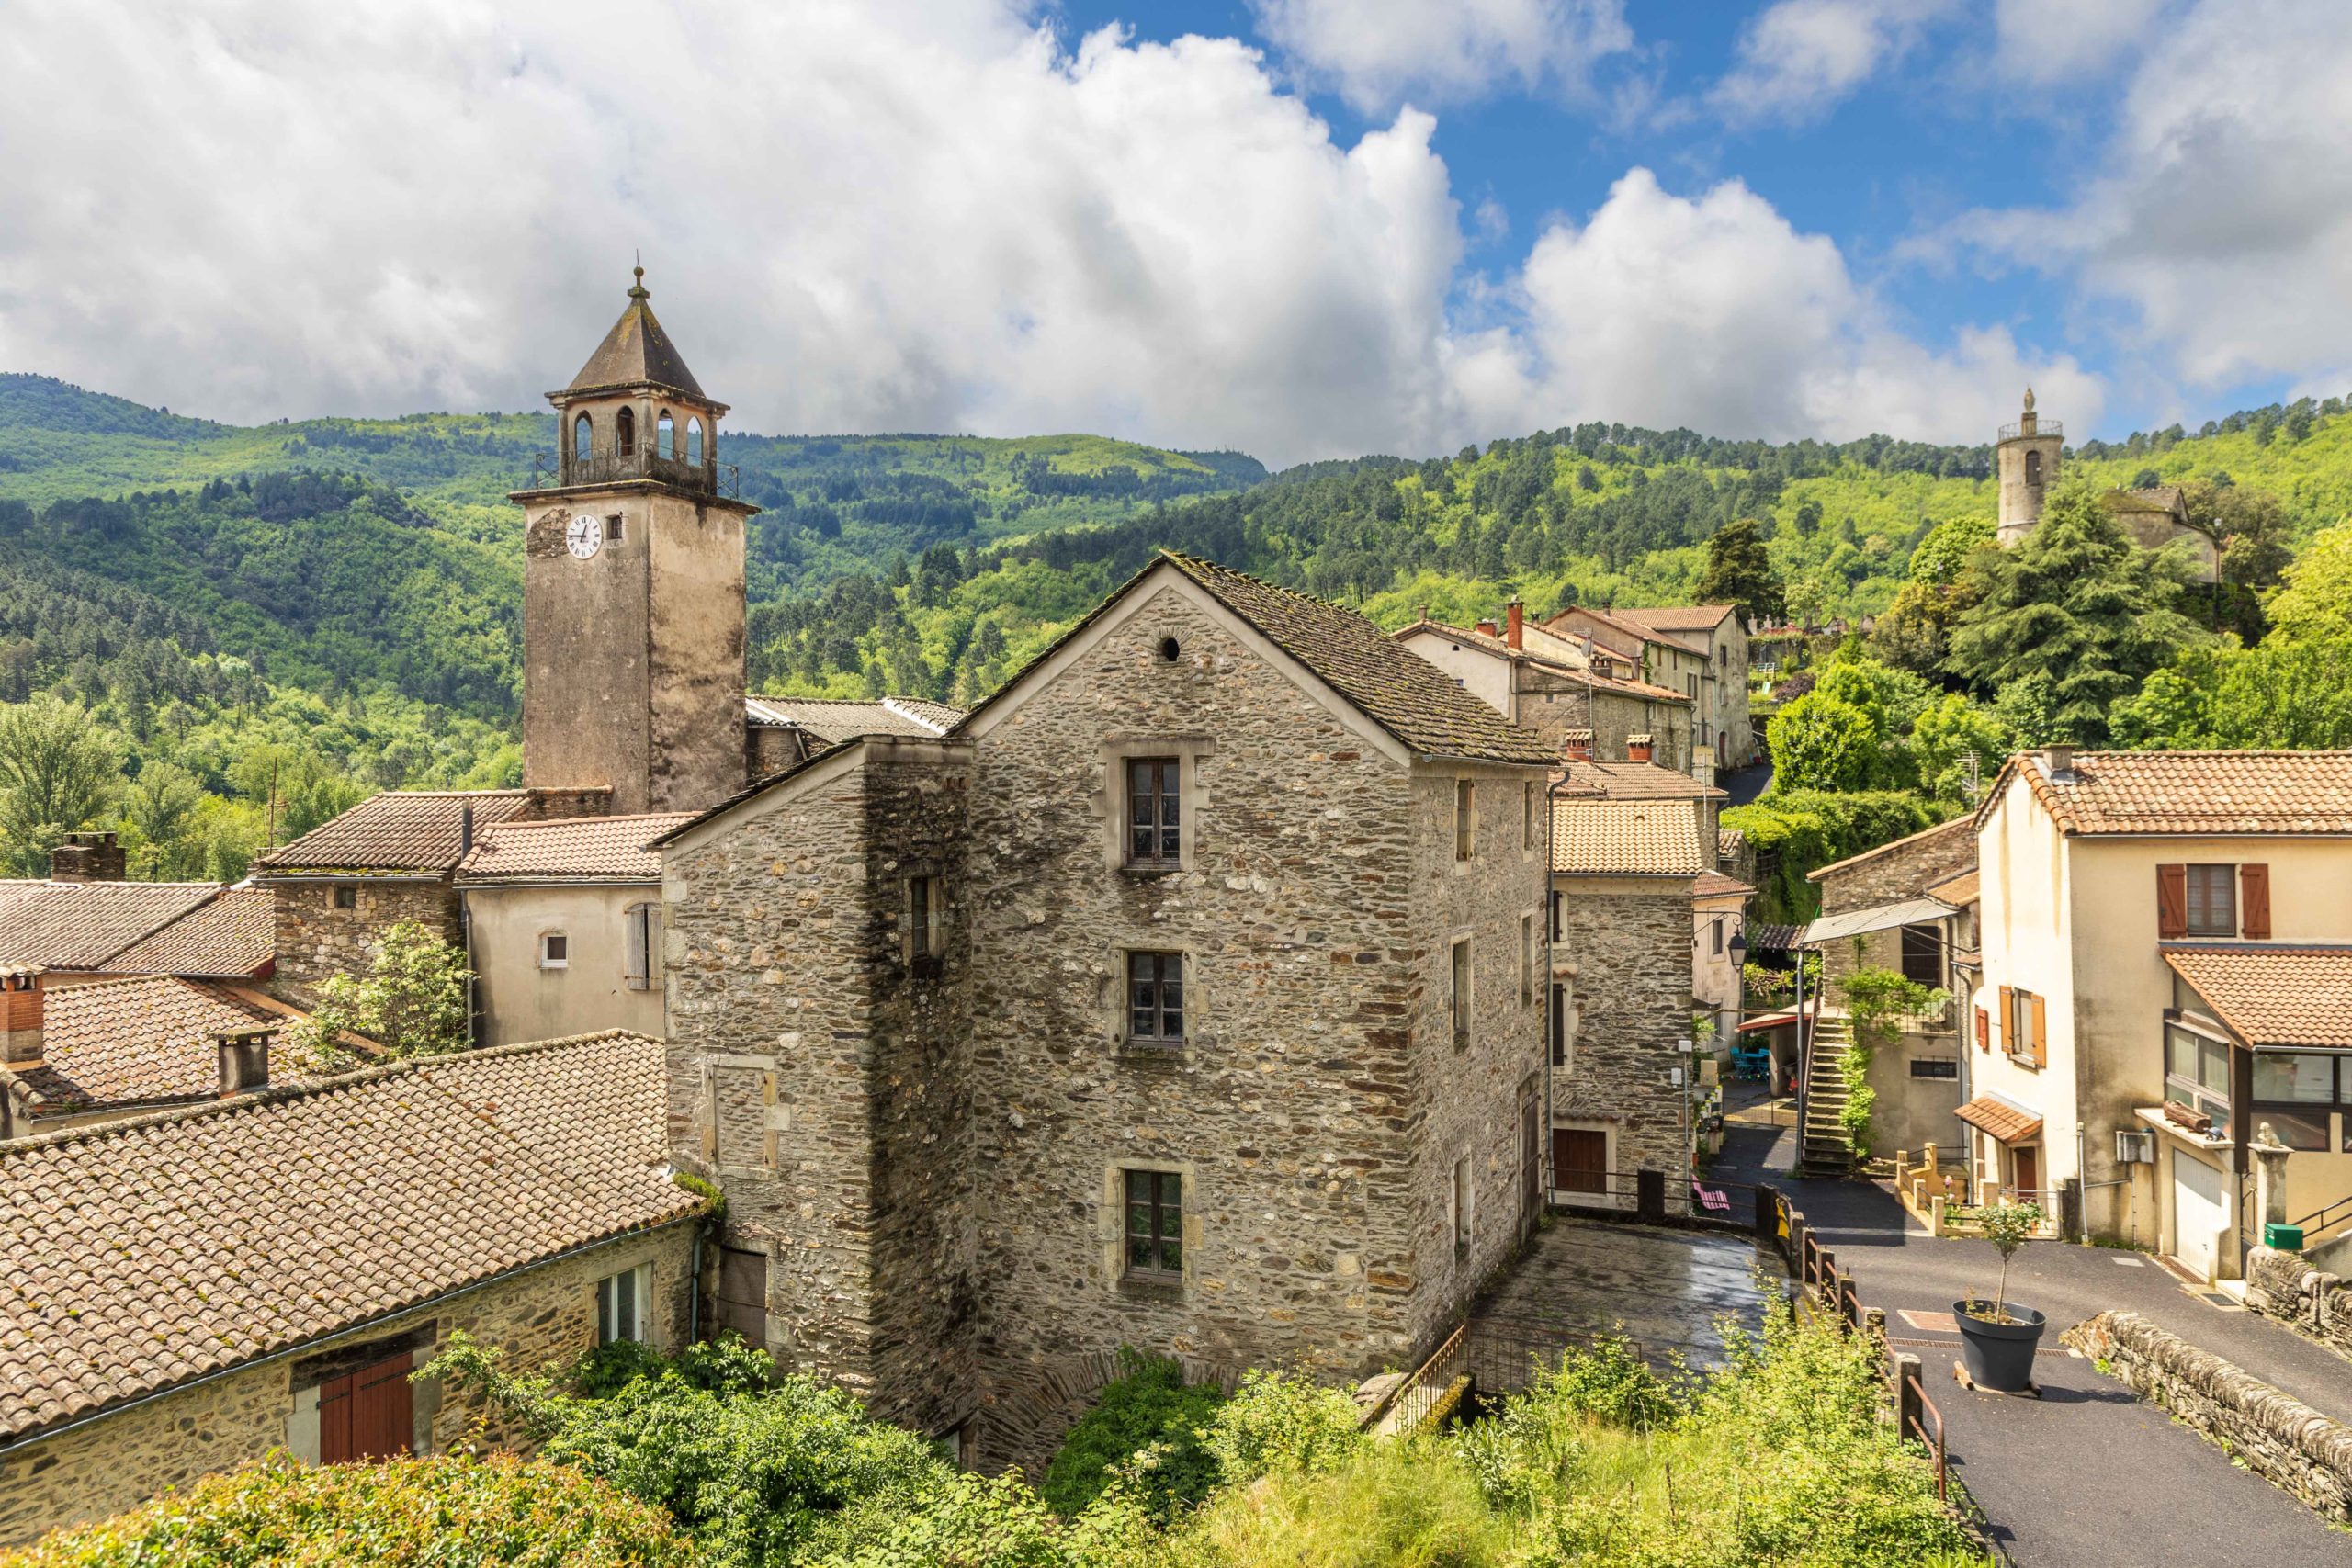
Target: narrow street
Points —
{"points": [[2087, 1475]]}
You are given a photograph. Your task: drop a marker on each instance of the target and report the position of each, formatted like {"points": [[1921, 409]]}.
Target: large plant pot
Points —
{"points": [[1998, 1356]]}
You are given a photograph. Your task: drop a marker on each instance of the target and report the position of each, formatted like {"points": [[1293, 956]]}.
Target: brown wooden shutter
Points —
{"points": [[2172, 902], [2254, 902], [1984, 1031], [2040, 1033]]}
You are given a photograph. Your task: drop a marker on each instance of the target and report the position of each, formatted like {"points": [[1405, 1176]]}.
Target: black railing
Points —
{"points": [[551, 472], [2041, 427], [2326, 1218]]}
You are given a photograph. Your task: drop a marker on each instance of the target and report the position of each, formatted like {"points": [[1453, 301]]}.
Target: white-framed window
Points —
{"points": [[641, 926], [625, 1305], [555, 950]]}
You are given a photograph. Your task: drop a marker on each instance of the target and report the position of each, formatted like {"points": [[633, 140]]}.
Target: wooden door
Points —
{"points": [[1579, 1159], [2026, 1165], [368, 1414]]}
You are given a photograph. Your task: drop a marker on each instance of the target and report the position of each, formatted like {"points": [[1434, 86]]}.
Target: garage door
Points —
{"points": [[2196, 1212]]}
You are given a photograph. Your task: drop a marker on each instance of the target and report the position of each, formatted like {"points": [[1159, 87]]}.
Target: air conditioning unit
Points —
{"points": [[2135, 1147]]}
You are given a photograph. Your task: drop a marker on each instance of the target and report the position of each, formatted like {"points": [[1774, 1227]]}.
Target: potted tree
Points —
{"points": [[1997, 1340]]}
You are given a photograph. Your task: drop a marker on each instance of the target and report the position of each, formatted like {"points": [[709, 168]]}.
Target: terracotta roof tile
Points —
{"points": [[2190, 794], [1640, 781], [1649, 838], [1716, 884], [1625, 627], [235, 936], [145, 1041], [1600, 680], [588, 849], [1676, 617], [1959, 891], [397, 831], [833, 719], [2273, 995], [1397, 689], [2004, 1121], [148, 1252], [80, 925]]}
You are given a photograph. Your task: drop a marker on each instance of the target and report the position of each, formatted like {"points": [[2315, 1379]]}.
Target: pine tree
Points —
{"points": [[2076, 604], [1738, 572]]}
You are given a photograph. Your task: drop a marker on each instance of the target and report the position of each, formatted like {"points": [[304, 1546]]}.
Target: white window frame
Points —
{"points": [[549, 960], [625, 1304]]}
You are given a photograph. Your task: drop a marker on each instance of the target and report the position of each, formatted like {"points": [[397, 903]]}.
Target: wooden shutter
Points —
{"points": [[2172, 902], [1984, 1031], [2040, 1033], [2254, 902], [2009, 1041]]}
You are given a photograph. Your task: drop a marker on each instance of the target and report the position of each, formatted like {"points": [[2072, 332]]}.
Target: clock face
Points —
{"points": [[584, 536]]}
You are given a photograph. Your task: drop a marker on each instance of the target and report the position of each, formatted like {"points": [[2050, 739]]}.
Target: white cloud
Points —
{"points": [[869, 216], [1798, 58], [1377, 53], [2219, 212], [1715, 312], [2037, 41]]}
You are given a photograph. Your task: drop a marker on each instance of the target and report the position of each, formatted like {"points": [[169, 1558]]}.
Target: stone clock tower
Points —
{"points": [[633, 584]]}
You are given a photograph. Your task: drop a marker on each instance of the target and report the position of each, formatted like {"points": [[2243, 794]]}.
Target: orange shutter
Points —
{"points": [[2009, 1041], [2254, 902], [2172, 902], [1984, 1031], [2040, 1034]]}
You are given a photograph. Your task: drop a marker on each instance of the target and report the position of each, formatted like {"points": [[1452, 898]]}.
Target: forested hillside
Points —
{"points": [[337, 601]]}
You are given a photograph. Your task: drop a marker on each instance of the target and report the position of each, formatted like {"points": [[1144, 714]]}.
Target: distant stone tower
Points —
{"points": [[633, 584], [2027, 461]]}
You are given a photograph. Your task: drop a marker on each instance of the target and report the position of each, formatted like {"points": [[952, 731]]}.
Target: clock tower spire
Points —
{"points": [[633, 582]]}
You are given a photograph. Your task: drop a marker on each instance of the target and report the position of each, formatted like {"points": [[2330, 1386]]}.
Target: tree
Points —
{"points": [[2076, 604], [159, 811], [57, 774], [1739, 573], [411, 1002], [1915, 632], [2317, 597], [1820, 743]]}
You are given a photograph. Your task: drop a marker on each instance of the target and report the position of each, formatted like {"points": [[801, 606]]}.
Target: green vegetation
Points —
{"points": [[2008, 1226], [1149, 1411], [449, 1513], [411, 1002], [1798, 832], [1877, 1001]]}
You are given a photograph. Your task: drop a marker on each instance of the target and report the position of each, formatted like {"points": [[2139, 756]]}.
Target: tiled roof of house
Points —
{"points": [[1716, 884], [1959, 891], [1397, 689], [410, 830], [1560, 666], [585, 849], [2273, 995], [148, 1252], [233, 936], [1648, 838], [2196, 794], [80, 925], [1957, 825], [1640, 781], [831, 719], [2010, 1124], [1729, 842], [1618, 621], [1676, 617], [146, 1039]]}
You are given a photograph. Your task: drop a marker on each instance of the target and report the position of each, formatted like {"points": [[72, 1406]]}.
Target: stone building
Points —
{"points": [[1623, 875], [781, 731], [1574, 693], [2027, 459], [1723, 723], [151, 1336], [1187, 995], [1658, 658]]}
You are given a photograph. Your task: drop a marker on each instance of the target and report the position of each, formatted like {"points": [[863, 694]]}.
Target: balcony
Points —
{"points": [[723, 480], [2042, 427]]}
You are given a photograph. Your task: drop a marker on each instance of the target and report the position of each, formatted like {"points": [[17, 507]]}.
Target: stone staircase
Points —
{"points": [[1825, 1150]]}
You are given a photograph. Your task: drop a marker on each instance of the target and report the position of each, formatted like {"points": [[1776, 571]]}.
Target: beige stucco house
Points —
{"points": [[2167, 951], [563, 924], [1577, 694]]}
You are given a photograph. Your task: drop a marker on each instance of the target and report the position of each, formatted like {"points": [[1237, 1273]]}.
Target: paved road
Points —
{"points": [[1746, 784], [2087, 1475]]}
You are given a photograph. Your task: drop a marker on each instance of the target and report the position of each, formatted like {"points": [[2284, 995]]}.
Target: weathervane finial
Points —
{"points": [[637, 290]]}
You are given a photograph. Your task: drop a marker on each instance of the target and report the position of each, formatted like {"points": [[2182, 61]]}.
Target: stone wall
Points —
{"points": [[1553, 706], [1623, 961], [2282, 1439], [2314, 1304], [116, 1463], [1904, 869], [316, 940]]}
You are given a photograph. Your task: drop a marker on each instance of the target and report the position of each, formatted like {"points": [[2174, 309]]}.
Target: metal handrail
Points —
{"points": [[2042, 427], [554, 472], [2309, 1228]]}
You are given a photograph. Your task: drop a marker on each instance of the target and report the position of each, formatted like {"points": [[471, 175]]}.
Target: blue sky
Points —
{"points": [[1301, 228]]}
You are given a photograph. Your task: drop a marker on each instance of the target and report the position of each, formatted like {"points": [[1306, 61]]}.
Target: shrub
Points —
{"points": [[1277, 1424], [1149, 1411], [449, 1513], [1405, 1502], [1799, 831], [973, 1521]]}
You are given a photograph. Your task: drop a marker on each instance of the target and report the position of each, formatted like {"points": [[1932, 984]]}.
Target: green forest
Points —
{"points": [[219, 633]]}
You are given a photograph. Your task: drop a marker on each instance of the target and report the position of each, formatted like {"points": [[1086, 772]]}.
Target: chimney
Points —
{"points": [[1515, 622], [244, 1057], [1637, 748], [1579, 745], [20, 1005], [2058, 762], [1488, 628], [87, 857], [465, 829]]}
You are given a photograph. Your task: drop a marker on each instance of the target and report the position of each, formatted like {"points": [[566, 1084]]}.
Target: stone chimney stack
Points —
{"points": [[20, 1008], [1487, 628], [87, 857], [244, 1057], [1515, 622], [2058, 760], [1637, 748]]}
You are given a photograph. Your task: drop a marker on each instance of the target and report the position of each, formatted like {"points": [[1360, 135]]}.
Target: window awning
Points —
{"points": [[2005, 1122], [1879, 918]]}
